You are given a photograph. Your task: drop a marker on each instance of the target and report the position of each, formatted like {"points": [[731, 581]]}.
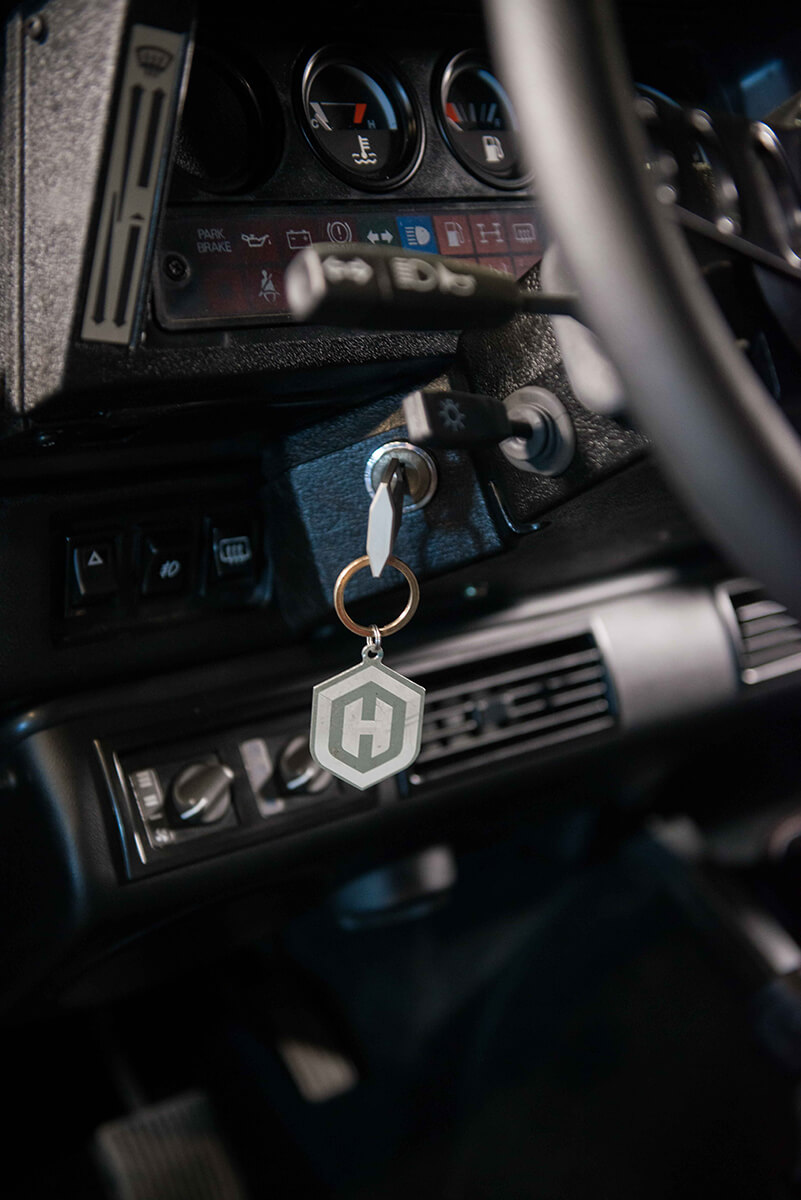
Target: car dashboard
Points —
{"points": [[187, 468]]}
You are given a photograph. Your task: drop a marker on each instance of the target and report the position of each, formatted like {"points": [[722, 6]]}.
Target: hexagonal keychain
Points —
{"points": [[367, 722]]}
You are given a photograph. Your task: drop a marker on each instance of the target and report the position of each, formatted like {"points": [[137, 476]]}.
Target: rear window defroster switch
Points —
{"points": [[233, 551]]}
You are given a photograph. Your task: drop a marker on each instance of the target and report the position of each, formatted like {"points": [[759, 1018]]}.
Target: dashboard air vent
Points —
{"points": [[516, 703], [769, 638]]}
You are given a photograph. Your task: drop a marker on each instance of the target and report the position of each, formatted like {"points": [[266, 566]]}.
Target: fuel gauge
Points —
{"points": [[360, 120], [478, 122]]}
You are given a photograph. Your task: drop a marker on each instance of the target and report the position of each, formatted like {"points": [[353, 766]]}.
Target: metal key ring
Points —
{"points": [[405, 617]]}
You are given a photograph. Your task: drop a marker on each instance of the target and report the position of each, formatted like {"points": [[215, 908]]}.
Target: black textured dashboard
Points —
{"points": [[94, 93], [184, 469], [246, 142], [142, 441]]}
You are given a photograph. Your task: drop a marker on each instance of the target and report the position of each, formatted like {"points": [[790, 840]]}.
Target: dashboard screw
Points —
{"points": [[175, 268], [35, 28]]}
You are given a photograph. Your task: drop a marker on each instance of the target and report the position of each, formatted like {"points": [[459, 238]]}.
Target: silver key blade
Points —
{"points": [[386, 512]]}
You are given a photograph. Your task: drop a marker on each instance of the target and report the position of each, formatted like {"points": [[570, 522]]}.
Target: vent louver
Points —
{"points": [[769, 638], [526, 700]]}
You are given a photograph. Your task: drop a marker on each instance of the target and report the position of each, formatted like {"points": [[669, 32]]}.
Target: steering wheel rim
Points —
{"points": [[723, 442]]}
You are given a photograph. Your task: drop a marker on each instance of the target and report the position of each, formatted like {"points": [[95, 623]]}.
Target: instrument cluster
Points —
{"points": [[357, 112], [726, 175]]}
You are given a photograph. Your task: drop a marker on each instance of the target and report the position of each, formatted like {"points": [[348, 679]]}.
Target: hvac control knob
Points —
{"points": [[300, 774], [201, 793]]}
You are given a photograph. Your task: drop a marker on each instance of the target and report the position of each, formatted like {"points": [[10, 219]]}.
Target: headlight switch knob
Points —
{"points": [[201, 793]]}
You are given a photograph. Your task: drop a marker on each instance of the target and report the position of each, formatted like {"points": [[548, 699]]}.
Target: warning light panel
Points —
{"points": [[226, 266]]}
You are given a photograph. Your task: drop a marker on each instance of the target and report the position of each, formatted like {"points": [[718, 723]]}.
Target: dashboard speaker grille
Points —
{"points": [[517, 703], [769, 638]]}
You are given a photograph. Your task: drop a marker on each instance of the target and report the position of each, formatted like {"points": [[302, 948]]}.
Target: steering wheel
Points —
{"points": [[725, 445]]}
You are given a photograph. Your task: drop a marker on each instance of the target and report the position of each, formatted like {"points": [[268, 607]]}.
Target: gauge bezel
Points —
{"points": [[402, 97], [680, 132], [727, 212], [780, 194], [466, 59], [260, 106]]}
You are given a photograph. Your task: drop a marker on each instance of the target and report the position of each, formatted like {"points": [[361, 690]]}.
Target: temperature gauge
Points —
{"points": [[478, 121], [360, 120]]}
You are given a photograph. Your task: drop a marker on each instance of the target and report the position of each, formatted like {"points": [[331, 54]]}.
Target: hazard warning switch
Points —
{"points": [[95, 570]]}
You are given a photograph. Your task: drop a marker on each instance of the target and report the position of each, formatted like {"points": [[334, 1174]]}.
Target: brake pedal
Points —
{"points": [[173, 1151]]}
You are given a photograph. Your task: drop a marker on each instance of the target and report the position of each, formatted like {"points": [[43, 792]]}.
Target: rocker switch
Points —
{"points": [[95, 570]]}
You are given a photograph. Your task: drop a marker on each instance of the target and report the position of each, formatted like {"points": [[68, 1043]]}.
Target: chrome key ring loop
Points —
{"points": [[374, 638], [369, 631], [372, 647]]}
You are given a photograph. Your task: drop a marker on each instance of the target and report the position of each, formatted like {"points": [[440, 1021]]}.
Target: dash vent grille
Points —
{"points": [[526, 700], [769, 638]]}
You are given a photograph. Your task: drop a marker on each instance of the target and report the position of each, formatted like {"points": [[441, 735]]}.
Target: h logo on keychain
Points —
{"points": [[359, 748], [367, 723], [379, 730]]}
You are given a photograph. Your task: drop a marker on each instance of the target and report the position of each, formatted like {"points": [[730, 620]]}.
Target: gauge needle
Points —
{"points": [[317, 109]]}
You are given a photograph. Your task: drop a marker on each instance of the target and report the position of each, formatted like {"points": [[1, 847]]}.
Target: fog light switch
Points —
{"points": [[167, 565]]}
